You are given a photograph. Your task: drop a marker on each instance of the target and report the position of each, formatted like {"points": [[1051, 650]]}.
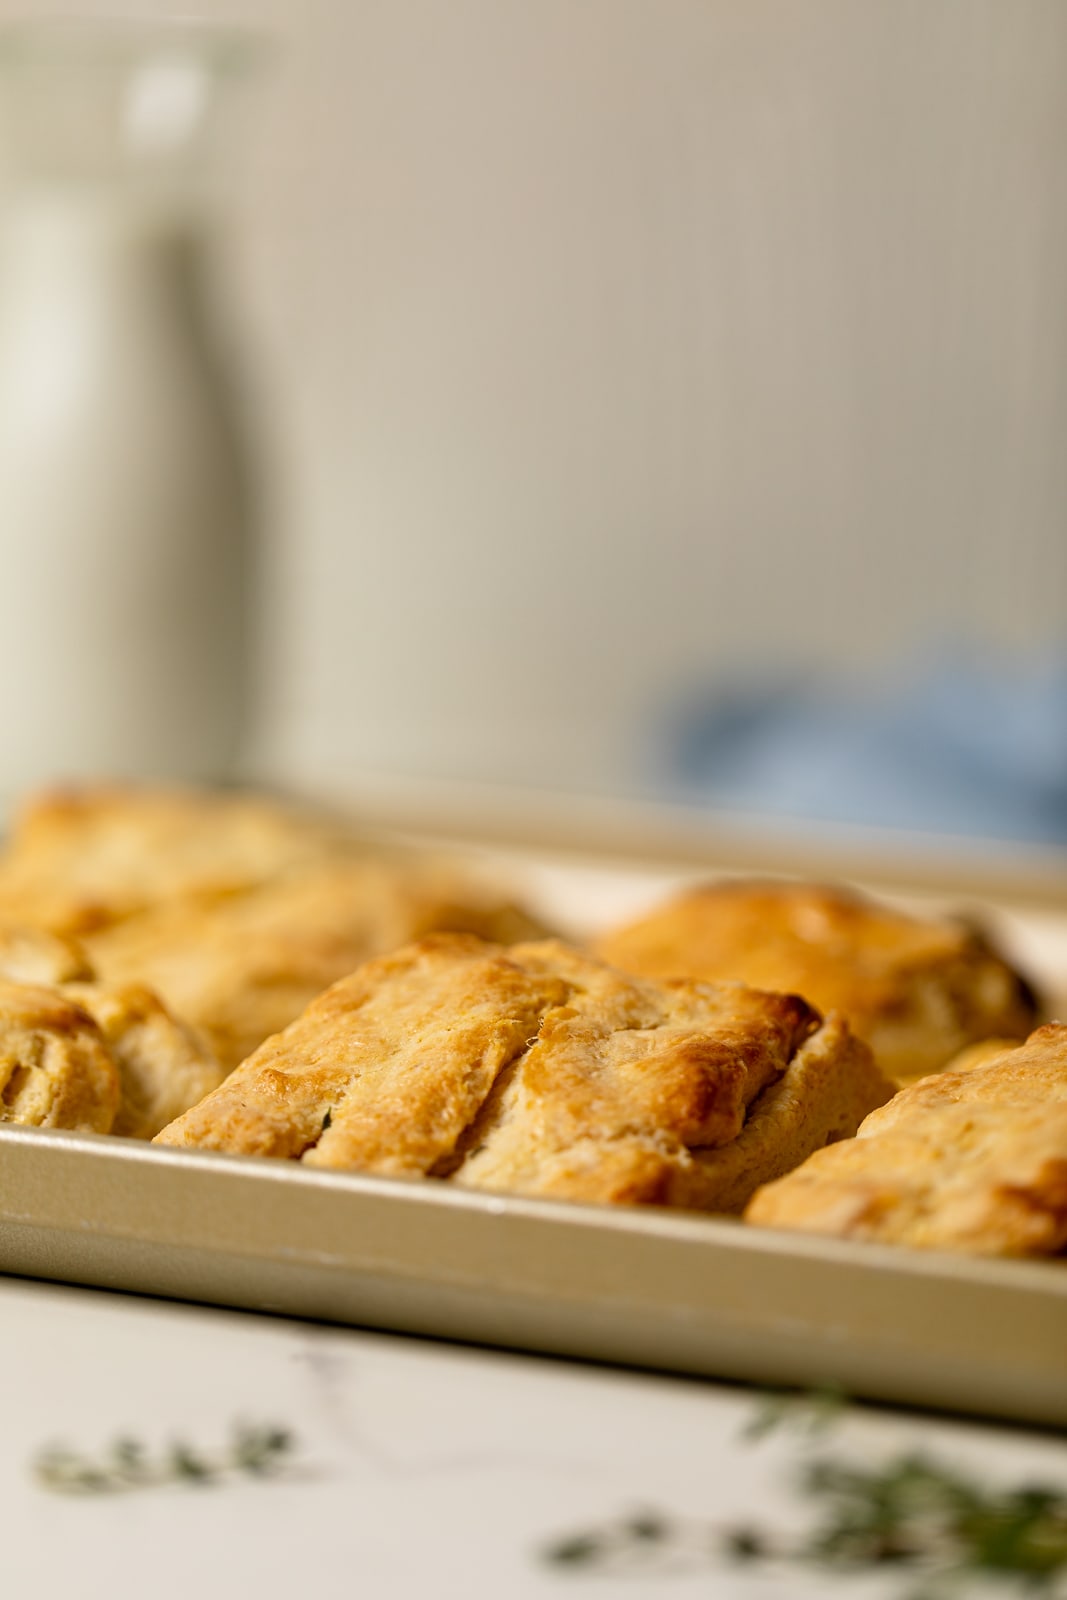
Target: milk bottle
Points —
{"points": [[124, 508]]}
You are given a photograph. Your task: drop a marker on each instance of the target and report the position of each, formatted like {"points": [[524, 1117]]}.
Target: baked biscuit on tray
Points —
{"points": [[235, 909], [972, 1160], [242, 968], [33, 955], [917, 989], [164, 1065], [539, 1070], [56, 1070], [84, 858]]}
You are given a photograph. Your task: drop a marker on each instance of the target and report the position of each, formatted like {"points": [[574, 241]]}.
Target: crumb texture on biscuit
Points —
{"points": [[972, 1160], [917, 989]]}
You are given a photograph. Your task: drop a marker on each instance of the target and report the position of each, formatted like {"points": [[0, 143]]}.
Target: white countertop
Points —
{"points": [[421, 1467]]}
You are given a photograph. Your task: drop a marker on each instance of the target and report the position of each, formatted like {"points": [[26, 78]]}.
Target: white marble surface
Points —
{"points": [[422, 1468]]}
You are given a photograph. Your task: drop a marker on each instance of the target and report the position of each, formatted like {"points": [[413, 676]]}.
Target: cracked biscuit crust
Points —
{"points": [[917, 990], [56, 1070], [537, 1070], [972, 1160]]}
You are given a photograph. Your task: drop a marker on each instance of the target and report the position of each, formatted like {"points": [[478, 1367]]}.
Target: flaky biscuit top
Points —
{"points": [[972, 1160], [535, 1068]]}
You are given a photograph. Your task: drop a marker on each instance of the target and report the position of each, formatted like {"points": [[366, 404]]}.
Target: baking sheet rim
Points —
{"points": [[684, 1293]]}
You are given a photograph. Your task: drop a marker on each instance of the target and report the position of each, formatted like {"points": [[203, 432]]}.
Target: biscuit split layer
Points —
{"points": [[543, 1071], [972, 1160]]}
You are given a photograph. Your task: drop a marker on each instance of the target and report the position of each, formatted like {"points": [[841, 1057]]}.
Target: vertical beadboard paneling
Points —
{"points": [[619, 346]]}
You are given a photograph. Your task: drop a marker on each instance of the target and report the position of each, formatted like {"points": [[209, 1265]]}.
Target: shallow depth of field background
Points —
{"points": [[606, 352]]}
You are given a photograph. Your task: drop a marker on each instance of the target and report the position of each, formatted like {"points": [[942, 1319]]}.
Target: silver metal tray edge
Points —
{"points": [[677, 1292]]}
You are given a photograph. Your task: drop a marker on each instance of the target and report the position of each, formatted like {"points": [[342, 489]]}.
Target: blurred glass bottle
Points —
{"points": [[125, 537]]}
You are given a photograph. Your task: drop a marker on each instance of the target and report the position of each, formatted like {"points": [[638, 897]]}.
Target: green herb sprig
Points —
{"points": [[911, 1513], [810, 1413], [916, 1513], [255, 1450]]}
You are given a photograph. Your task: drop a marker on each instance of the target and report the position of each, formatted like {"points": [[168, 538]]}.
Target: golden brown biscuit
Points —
{"points": [[917, 990], [236, 910], [164, 1066], [243, 968], [972, 1160], [56, 1070], [82, 859], [826, 1091], [385, 1070], [33, 955], [543, 1071], [827, 1088]]}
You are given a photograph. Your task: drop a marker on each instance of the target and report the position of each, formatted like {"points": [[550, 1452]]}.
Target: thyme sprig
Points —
{"points": [[911, 1513], [914, 1512], [256, 1450], [810, 1413]]}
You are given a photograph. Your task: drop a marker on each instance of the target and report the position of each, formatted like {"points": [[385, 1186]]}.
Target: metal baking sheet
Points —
{"points": [[656, 1289], [672, 1291]]}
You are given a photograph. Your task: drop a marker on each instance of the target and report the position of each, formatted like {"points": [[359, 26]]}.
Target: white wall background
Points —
{"points": [[611, 346]]}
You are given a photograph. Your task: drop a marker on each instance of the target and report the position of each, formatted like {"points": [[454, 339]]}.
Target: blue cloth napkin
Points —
{"points": [[962, 747]]}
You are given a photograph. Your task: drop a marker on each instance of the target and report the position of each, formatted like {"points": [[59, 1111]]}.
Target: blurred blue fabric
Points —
{"points": [[963, 747]]}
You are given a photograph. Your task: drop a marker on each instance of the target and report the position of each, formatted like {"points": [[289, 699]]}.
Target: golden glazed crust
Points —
{"points": [[242, 969], [972, 1160], [164, 1066], [829, 1087], [56, 1070], [83, 859], [543, 1071], [526, 1141], [917, 990]]}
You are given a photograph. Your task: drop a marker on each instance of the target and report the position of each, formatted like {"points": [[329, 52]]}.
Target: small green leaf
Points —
{"points": [[185, 1464], [578, 1551], [128, 1457], [774, 1407], [745, 1544], [647, 1528], [128, 1465]]}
